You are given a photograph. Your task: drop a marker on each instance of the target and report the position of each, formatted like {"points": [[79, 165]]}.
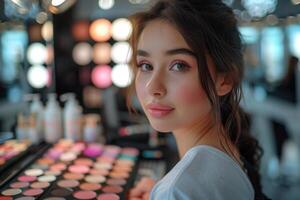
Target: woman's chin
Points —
{"points": [[160, 127]]}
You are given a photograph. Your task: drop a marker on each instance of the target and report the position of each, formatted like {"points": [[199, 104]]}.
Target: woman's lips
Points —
{"points": [[159, 110]]}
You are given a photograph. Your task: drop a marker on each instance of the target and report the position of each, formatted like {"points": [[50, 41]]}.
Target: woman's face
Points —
{"points": [[167, 82]]}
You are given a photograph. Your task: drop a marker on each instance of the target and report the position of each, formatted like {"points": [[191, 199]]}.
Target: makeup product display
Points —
{"points": [[11, 151], [69, 170]]}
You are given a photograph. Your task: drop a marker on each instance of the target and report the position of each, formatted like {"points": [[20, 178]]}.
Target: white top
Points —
{"points": [[204, 173]]}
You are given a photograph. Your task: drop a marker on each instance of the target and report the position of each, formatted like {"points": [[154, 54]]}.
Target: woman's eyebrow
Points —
{"points": [[185, 51]]}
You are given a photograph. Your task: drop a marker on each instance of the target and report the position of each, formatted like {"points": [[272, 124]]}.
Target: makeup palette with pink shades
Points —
{"points": [[11, 151], [69, 170]]}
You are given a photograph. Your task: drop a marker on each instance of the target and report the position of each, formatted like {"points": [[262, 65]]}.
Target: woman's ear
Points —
{"points": [[223, 84]]}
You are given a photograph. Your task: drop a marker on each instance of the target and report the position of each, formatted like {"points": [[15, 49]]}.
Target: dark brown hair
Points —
{"points": [[210, 28]]}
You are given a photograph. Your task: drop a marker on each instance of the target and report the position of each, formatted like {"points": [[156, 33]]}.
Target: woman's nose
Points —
{"points": [[156, 85]]}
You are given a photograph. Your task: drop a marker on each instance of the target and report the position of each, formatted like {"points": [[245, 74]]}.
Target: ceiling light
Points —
{"points": [[122, 75], [121, 29], [121, 52], [102, 53], [101, 76], [38, 76], [82, 53], [100, 30], [36, 54], [106, 4]]}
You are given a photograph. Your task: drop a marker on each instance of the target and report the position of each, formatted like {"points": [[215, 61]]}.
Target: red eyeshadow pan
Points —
{"points": [[90, 186], [33, 192], [5, 198], [108, 197], [112, 189], [85, 194], [27, 178]]}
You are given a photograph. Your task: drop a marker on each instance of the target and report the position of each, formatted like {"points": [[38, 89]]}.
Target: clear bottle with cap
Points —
{"points": [[53, 120], [93, 131], [72, 117]]}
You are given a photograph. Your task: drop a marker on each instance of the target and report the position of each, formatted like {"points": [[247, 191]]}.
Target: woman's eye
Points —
{"points": [[180, 67], [145, 67]]}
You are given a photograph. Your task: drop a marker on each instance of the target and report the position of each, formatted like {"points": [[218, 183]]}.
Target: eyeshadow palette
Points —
{"points": [[70, 170], [11, 151]]}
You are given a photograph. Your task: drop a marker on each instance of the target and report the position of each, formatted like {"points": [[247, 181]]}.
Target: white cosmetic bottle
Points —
{"points": [[38, 108], [53, 122], [72, 117]]}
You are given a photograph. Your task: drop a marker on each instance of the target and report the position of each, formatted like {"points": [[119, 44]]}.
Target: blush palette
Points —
{"points": [[76, 171]]}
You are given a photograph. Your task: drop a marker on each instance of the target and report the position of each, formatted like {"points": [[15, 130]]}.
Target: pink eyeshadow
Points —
{"points": [[33, 192], [58, 167], [90, 186], [93, 151], [27, 178], [108, 197], [80, 169], [85, 194], [19, 185]]}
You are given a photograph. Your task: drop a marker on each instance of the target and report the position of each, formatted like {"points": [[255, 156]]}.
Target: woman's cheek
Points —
{"points": [[140, 89], [191, 95]]}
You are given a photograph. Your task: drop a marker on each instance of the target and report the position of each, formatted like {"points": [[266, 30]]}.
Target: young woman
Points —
{"points": [[188, 66]]}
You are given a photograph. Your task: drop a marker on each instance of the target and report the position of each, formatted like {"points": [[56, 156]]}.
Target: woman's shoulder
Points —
{"points": [[205, 172], [214, 164]]}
